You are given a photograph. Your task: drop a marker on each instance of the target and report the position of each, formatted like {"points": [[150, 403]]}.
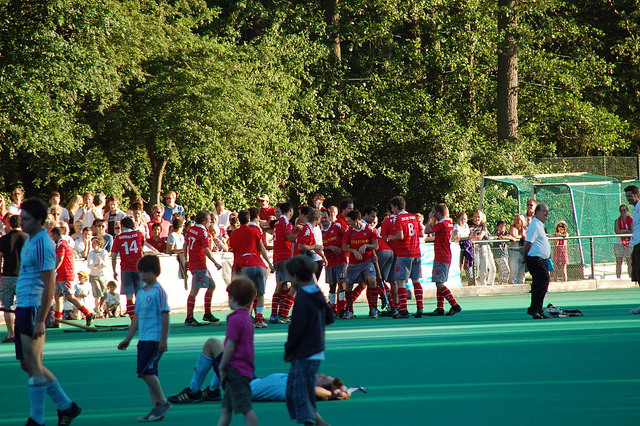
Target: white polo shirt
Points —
{"points": [[635, 235], [538, 238]]}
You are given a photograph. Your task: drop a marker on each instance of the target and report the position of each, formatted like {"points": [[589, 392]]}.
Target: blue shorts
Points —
{"points": [[335, 274], [354, 270], [25, 322], [281, 273], [148, 357], [386, 261], [258, 275], [407, 267], [201, 279], [131, 283], [440, 273]]}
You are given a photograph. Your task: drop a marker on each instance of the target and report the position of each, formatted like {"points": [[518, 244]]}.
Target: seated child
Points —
{"points": [[111, 300]]}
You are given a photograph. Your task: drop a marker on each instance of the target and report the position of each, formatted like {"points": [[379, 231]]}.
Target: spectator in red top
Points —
{"points": [[247, 246], [265, 211], [407, 233], [165, 226], [318, 202], [156, 241], [361, 242], [284, 233], [197, 250], [65, 277]]}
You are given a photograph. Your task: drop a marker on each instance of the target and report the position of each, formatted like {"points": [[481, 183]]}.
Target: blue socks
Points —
{"points": [[58, 395], [38, 395], [200, 371]]}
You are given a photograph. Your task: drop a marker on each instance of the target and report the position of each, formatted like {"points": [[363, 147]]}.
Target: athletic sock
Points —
{"points": [[287, 303], [446, 293], [440, 299], [38, 396], [349, 297], [417, 288], [58, 395], [357, 292], [259, 316], [215, 382], [85, 311], [275, 303], [131, 308], [191, 303], [58, 314], [208, 295], [342, 300], [200, 371], [332, 301], [372, 297], [402, 299], [254, 306]]}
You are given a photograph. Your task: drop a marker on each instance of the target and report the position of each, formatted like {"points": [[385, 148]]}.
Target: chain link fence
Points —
{"points": [[621, 168]]}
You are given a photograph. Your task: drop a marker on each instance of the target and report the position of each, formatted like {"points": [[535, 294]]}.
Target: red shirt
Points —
{"points": [[128, 245], [342, 221], [244, 244], [442, 245], [305, 237], [266, 212], [386, 230], [164, 227], [356, 238], [281, 244], [332, 237], [66, 271], [160, 244], [382, 244], [197, 239], [410, 226]]}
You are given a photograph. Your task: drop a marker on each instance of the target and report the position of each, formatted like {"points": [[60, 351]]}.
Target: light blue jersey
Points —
{"points": [[150, 304], [270, 388], [38, 255]]}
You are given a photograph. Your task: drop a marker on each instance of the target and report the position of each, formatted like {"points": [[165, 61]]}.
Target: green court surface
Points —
{"points": [[489, 365]]}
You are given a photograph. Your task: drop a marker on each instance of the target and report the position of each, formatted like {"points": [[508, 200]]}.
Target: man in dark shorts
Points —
{"points": [[10, 248]]}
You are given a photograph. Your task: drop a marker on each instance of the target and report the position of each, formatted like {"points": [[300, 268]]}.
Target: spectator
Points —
{"points": [[82, 244], [318, 202], [165, 226], [531, 207], [501, 252], [17, 195], [54, 201], [88, 213], [99, 229], [560, 252], [461, 233], [622, 247], [99, 202], [10, 252], [485, 263], [156, 239], [138, 219], [537, 252], [74, 205], [223, 214], [266, 210], [113, 214], [171, 208], [518, 232], [97, 262]]}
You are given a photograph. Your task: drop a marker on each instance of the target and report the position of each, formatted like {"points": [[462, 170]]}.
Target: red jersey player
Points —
{"points": [[332, 234], [407, 233], [247, 246], [128, 244], [361, 242], [65, 276], [440, 224], [284, 233], [197, 250], [384, 255]]}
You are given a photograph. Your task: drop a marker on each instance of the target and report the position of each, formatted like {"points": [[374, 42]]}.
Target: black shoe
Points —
{"points": [[386, 314], [186, 396], [211, 395], [436, 313], [210, 318], [418, 313], [89, 319], [66, 417], [403, 315], [8, 339], [192, 322], [454, 310], [31, 422]]}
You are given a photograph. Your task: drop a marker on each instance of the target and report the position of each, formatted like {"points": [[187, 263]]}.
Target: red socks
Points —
{"points": [[131, 308], [207, 302], [191, 303], [417, 289], [402, 299]]}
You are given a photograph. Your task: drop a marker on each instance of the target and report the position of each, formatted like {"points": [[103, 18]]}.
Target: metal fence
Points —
{"points": [[498, 261], [622, 168]]}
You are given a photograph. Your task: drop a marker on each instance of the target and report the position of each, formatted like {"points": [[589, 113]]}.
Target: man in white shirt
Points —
{"points": [[536, 251], [633, 196]]}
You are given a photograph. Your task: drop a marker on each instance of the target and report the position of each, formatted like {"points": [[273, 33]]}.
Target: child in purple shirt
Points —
{"points": [[237, 364]]}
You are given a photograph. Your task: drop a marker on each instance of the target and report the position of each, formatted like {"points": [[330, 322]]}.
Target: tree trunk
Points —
{"points": [[507, 71], [158, 166], [332, 19]]}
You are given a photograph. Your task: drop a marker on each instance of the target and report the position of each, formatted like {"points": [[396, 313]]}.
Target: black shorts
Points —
{"points": [[148, 357], [25, 322]]}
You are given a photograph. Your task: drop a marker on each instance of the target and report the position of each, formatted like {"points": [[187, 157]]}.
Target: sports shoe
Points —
{"points": [[436, 313], [8, 339], [373, 313], [31, 422], [348, 315], [284, 320], [156, 414], [341, 313], [418, 313], [454, 310], [209, 318], [66, 417], [403, 315], [186, 396], [260, 324], [192, 322], [211, 395], [273, 319], [89, 319], [635, 310]]}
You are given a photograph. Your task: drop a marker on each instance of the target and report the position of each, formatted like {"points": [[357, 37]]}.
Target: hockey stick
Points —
{"points": [[380, 279], [94, 329]]}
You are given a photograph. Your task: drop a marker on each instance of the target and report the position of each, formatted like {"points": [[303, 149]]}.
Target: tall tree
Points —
{"points": [[507, 93]]}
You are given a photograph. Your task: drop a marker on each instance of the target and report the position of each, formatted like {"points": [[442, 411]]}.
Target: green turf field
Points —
{"points": [[491, 364]]}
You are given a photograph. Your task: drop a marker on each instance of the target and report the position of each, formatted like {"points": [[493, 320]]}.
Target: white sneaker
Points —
{"points": [[635, 310]]}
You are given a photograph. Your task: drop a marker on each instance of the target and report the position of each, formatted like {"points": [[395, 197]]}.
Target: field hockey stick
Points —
{"points": [[380, 279]]}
